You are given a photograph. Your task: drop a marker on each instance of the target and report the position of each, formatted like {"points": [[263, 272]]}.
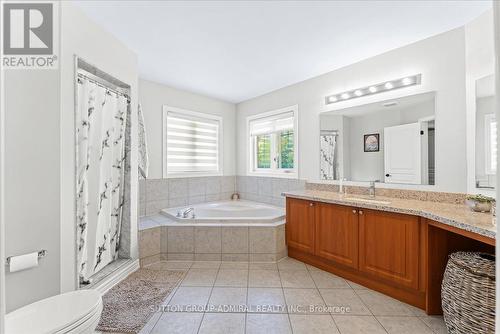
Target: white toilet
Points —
{"points": [[72, 312]]}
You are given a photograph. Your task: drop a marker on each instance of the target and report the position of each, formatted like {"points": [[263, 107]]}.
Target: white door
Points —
{"points": [[403, 154]]}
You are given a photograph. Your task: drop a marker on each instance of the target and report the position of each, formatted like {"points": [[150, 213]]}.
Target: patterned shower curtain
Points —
{"points": [[328, 143], [100, 129]]}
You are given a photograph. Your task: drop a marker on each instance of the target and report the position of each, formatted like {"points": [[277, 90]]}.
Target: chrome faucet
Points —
{"points": [[371, 190], [186, 212]]}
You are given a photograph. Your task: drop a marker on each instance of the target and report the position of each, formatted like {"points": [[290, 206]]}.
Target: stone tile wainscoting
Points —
{"points": [[157, 194], [209, 243], [267, 189]]}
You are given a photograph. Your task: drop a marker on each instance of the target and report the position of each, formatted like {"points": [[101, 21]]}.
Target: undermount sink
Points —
{"points": [[367, 200]]}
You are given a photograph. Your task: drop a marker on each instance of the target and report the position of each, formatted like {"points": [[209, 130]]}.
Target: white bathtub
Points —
{"points": [[228, 212]]}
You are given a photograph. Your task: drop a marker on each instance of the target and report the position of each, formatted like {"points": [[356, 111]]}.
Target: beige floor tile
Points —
{"points": [[219, 323], [151, 323], [225, 299], [206, 265], [296, 279], [380, 304], [435, 323], [200, 277], [266, 300], [312, 324], [178, 323], [168, 265], [232, 277], [233, 265], [267, 323], [291, 264], [304, 301], [356, 286], [344, 301], [264, 278], [313, 268], [189, 299], [326, 280], [358, 324], [263, 266], [404, 325]]}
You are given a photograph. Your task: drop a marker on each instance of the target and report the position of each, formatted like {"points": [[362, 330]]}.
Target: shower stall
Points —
{"points": [[102, 166]]}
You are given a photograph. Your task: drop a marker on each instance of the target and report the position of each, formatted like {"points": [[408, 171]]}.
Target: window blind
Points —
{"points": [[192, 143], [271, 124]]}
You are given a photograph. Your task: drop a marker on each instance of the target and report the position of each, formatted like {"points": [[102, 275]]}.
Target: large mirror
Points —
{"points": [[486, 133], [390, 141]]}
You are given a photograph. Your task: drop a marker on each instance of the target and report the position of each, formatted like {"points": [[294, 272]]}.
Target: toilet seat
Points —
{"points": [[72, 312]]}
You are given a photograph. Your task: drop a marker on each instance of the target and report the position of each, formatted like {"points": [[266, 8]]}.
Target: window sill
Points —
{"points": [[283, 175]]}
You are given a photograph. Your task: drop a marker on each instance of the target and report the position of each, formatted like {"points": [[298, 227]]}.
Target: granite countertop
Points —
{"points": [[456, 215]]}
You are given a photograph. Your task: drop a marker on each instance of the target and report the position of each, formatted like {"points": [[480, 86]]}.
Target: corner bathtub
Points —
{"points": [[220, 231], [224, 213]]}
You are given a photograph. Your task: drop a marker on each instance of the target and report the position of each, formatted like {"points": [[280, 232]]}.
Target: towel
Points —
{"points": [[143, 147]]}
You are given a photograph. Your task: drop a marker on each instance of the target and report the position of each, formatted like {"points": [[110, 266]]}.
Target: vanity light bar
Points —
{"points": [[375, 89]]}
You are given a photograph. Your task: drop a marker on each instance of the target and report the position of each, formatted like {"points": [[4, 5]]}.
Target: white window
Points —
{"points": [[192, 143], [490, 126], [273, 144]]}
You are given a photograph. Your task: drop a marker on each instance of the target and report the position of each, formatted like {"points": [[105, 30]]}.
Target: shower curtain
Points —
{"points": [[100, 132], [328, 144]]}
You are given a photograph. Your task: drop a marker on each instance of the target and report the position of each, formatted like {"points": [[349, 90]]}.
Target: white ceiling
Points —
{"points": [[236, 50]]}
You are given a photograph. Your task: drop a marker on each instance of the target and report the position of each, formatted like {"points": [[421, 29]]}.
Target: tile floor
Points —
{"points": [[284, 297]]}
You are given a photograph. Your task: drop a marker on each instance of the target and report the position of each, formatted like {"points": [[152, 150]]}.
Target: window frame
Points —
{"points": [[251, 162], [488, 119], [220, 146]]}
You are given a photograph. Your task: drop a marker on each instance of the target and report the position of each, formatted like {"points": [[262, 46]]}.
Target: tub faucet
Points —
{"points": [[186, 212], [371, 190]]}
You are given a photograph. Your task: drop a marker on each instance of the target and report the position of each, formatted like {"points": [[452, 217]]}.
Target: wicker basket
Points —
{"points": [[468, 293]]}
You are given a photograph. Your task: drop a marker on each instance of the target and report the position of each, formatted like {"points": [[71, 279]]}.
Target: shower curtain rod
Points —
{"points": [[104, 86]]}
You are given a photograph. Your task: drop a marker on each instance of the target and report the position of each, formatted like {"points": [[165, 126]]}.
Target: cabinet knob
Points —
{"points": [[354, 211], [311, 204], [360, 212]]}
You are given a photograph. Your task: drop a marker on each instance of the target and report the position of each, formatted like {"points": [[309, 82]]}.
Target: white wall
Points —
{"points": [[153, 96], [39, 157], [440, 59], [480, 62]]}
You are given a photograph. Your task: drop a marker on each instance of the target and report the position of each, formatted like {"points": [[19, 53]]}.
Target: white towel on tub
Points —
{"points": [[143, 147]]}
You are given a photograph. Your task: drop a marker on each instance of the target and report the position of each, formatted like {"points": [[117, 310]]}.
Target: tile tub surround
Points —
{"points": [[267, 189], [431, 196], [161, 239], [198, 304], [455, 215], [157, 194]]}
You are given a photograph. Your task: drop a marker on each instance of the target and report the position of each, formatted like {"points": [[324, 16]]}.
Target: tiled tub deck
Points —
{"points": [[162, 239]]}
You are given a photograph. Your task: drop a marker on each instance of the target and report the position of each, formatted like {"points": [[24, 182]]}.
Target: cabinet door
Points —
{"points": [[389, 246], [337, 233], [300, 224]]}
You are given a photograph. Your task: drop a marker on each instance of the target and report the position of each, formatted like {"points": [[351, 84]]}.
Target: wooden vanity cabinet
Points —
{"points": [[389, 246], [336, 233], [300, 224]]}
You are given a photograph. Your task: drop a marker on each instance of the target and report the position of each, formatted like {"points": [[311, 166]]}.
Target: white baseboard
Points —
{"points": [[117, 276]]}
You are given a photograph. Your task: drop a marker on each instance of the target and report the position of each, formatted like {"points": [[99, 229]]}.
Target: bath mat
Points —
{"points": [[129, 305]]}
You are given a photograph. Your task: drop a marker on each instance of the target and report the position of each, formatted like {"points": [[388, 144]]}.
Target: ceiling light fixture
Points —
{"points": [[375, 89]]}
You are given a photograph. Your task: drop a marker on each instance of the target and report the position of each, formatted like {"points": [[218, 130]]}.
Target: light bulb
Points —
{"points": [[372, 89], [332, 99], [345, 96], [407, 81], [389, 85], [358, 92]]}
